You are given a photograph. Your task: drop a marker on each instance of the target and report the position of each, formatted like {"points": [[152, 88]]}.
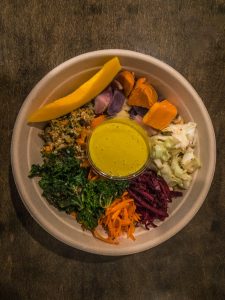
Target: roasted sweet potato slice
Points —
{"points": [[140, 82], [126, 79], [143, 94], [160, 115]]}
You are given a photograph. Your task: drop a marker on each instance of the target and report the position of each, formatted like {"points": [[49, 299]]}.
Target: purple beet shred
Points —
{"points": [[151, 194]]}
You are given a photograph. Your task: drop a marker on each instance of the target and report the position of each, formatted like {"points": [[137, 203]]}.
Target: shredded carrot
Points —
{"points": [[97, 121], [119, 218], [117, 207], [92, 175], [84, 163], [73, 214], [97, 235]]}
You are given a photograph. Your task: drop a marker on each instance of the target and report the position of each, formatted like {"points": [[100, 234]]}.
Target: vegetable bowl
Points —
{"points": [[179, 95]]}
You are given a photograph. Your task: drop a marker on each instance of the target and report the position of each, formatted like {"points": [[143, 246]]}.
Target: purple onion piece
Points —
{"points": [[116, 104], [141, 111], [132, 113], [116, 85], [103, 100]]}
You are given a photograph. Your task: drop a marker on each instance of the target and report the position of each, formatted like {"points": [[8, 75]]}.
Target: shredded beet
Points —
{"points": [[151, 194]]}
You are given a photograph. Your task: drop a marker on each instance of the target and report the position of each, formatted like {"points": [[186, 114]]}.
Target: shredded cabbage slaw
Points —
{"points": [[172, 153]]}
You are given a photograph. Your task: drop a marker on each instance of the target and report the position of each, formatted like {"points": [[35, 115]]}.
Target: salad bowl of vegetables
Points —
{"points": [[113, 152]]}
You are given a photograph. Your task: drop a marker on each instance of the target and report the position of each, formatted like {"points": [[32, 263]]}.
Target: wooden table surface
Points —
{"points": [[36, 36]]}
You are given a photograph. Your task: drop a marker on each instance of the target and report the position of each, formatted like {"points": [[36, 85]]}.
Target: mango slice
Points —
{"points": [[85, 93]]}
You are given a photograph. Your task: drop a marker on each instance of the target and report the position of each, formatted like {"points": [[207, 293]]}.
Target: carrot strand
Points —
{"points": [[119, 218]]}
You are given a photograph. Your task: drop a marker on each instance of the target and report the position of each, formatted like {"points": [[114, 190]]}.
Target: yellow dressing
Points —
{"points": [[118, 148]]}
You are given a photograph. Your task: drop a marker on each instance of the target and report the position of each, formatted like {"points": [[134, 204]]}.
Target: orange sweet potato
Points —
{"points": [[140, 82], [126, 79], [160, 115], [143, 94]]}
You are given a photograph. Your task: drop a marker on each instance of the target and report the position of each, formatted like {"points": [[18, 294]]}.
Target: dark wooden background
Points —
{"points": [[36, 36]]}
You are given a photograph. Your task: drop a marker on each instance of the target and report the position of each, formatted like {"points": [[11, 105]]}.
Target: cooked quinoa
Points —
{"points": [[64, 131]]}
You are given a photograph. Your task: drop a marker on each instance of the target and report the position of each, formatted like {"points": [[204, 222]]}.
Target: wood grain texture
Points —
{"points": [[36, 36]]}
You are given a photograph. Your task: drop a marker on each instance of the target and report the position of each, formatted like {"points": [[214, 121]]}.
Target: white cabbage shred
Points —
{"points": [[172, 153]]}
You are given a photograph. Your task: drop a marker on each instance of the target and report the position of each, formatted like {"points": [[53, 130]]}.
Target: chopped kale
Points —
{"points": [[65, 186]]}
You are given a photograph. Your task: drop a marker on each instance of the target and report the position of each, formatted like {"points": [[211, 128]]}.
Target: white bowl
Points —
{"points": [[25, 149]]}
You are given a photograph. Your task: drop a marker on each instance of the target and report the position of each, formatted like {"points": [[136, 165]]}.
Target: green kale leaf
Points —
{"points": [[65, 186]]}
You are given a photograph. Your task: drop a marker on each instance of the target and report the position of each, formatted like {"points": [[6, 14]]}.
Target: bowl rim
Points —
{"points": [[172, 231]]}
